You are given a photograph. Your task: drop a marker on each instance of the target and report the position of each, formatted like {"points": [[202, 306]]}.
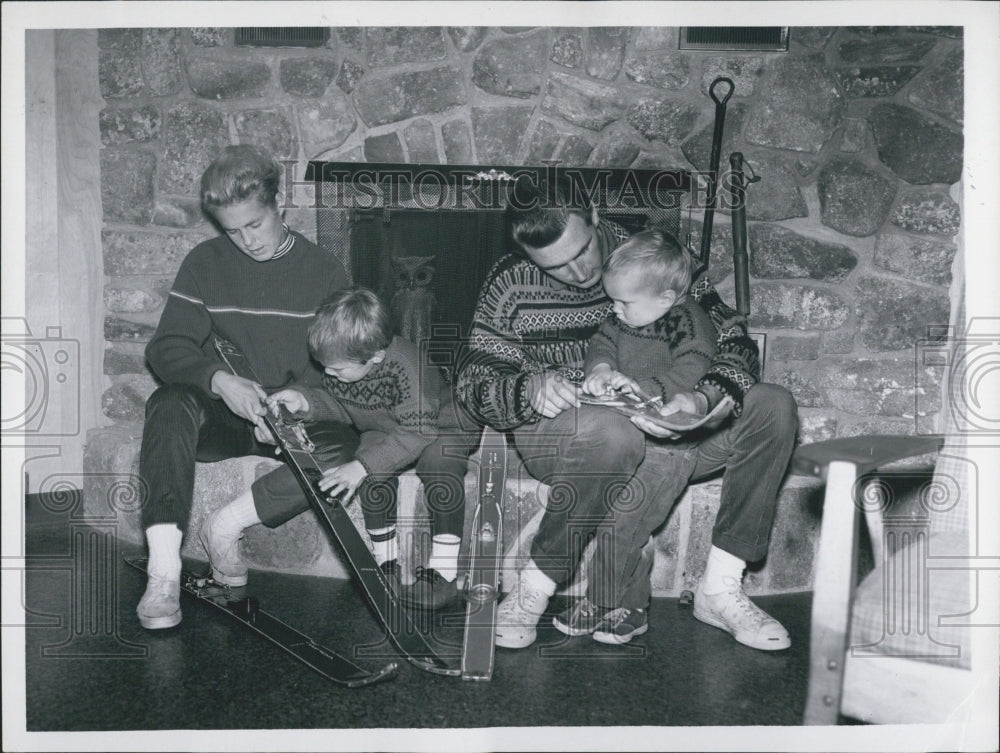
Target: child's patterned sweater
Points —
{"points": [[665, 357], [394, 407]]}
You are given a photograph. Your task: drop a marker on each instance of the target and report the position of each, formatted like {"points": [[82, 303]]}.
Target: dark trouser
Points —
{"points": [[754, 450], [278, 497], [587, 457], [185, 424], [442, 467]]}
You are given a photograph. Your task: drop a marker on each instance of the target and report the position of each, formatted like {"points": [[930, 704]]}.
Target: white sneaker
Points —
{"points": [[160, 605], [733, 612], [518, 615], [223, 549]]}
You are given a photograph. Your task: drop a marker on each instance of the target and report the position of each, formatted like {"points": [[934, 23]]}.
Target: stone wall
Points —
{"points": [[856, 134]]}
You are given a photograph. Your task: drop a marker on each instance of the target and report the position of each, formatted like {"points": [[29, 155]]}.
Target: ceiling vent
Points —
{"points": [[282, 36], [734, 38]]}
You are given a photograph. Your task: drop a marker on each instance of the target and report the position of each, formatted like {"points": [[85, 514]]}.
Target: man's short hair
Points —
{"points": [[660, 258], [240, 173], [539, 210], [352, 325]]}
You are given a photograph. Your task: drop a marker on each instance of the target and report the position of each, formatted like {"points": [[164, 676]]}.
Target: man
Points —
{"points": [[534, 317], [257, 286]]}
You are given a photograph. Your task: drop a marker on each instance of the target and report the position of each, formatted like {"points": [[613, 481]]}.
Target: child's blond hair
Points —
{"points": [[353, 325], [664, 264]]}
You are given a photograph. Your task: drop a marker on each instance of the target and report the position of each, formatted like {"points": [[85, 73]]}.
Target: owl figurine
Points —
{"points": [[413, 303]]}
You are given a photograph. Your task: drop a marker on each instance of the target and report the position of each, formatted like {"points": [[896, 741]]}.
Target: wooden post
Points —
{"points": [[64, 262]]}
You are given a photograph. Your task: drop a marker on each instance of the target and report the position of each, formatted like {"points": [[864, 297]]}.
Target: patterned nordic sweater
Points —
{"points": [[263, 308], [526, 323], [665, 357], [394, 407]]}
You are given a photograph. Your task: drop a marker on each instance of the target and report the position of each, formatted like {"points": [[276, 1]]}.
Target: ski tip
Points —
{"points": [[435, 665], [388, 672]]}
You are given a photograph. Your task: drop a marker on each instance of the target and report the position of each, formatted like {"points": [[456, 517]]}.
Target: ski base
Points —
{"points": [[246, 609], [483, 584]]}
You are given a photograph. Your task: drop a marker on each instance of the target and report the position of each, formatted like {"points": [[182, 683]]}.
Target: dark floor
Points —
{"points": [[89, 668]]}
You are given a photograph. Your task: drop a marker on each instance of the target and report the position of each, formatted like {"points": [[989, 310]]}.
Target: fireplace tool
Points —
{"points": [[713, 168]]}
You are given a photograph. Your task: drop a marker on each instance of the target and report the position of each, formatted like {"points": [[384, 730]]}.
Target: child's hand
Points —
{"points": [[622, 383], [293, 400], [598, 381], [344, 478]]}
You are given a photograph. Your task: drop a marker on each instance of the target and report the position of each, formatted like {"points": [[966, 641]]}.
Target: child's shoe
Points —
{"points": [[518, 615], [430, 591], [223, 547], [581, 618], [390, 568], [621, 625], [733, 612], [160, 605]]}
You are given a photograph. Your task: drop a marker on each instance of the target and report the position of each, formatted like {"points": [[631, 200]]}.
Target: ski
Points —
{"points": [[296, 448], [485, 550], [246, 609]]}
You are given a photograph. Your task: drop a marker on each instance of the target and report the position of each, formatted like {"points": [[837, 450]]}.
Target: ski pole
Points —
{"points": [[713, 168]]}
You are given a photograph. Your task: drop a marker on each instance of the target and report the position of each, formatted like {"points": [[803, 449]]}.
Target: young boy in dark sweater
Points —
{"points": [[256, 285], [375, 382], [657, 343]]}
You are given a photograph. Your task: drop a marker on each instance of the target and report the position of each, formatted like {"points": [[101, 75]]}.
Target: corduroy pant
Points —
{"points": [[752, 452]]}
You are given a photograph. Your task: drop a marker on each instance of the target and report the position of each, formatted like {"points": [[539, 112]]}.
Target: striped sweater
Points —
{"points": [[665, 357], [526, 323], [263, 308], [394, 407]]}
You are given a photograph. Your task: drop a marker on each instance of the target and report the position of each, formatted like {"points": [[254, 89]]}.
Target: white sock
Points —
{"points": [[384, 544], [721, 570], [239, 514], [444, 555], [536, 579], [164, 540]]}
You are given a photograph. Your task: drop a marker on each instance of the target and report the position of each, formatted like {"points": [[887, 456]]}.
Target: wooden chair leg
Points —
{"points": [[836, 571]]}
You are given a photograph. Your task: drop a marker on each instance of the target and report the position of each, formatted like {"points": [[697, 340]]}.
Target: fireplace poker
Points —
{"points": [[713, 168]]}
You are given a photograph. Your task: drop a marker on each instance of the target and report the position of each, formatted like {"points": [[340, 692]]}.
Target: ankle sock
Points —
{"points": [[239, 514], [721, 570], [164, 540], [536, 579], [384, 545], [444, 555]]}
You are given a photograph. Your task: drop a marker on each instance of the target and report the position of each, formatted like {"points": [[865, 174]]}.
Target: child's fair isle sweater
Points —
{"points": [[665, 357], [526, 323], [394, 407]]}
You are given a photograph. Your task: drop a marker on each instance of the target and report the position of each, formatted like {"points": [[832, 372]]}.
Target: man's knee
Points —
{"points": [[617, 440], [773, 406]]}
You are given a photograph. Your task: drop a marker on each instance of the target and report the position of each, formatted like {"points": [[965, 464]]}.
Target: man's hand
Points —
{"points": [[550, 394], [344, 478], [293, 400], [242, 396]]}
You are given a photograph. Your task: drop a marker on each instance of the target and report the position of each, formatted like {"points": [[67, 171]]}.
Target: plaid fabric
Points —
{"points": [[898, 605]]}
